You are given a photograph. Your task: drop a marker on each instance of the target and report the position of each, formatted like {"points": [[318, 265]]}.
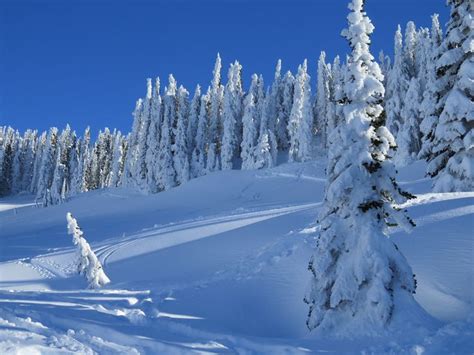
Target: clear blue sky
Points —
{"points": [[85, 62]]}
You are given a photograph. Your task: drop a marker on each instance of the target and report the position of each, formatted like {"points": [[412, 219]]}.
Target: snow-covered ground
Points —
{"points": [[216, 265]]}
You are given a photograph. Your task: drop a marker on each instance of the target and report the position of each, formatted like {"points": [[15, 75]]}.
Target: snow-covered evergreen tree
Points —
{"points": [[265, 150], [452, 156], [67, 143], [322, 102], [48, 164], [88, 264], [74, 165], [106, 157], [397, 85], [409, 136], [430, 95], [359, 277], [272, 108], [231, 116], [59, 188], [8, 155], [83, 181], [2, 156], [276, 109], [199, 157], [94, 165], [118, 160], [215, 119], [301, 118], [29, 146], [153, 139], [23, 161], [167, 178], [17, 164], [212, 163], [422, 55], [56, 193], [260, 101], [249, 124], [265, 153], [101, 160], [129, 175], [40, 146], [334, 113], [194, 110], [141, 167], [409, 49], [385, 64], [180, 146], [284, 110]]}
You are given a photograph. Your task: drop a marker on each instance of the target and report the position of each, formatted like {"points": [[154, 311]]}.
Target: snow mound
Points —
{"points": [[216, 265]]}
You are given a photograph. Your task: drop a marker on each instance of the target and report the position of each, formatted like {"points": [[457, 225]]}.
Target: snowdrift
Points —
{"points": [[216, 265]]}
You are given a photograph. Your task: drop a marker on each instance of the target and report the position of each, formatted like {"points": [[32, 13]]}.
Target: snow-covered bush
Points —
{"points": [[87, 263]]}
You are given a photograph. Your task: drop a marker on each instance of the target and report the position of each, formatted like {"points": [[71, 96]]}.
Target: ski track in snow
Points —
{"points": [[170, 236], [291, 176], [121, 303], [444, 215], [157, 238], [436, 197], [135, 321]]}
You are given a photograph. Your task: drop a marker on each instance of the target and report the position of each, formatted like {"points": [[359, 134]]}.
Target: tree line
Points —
{"points": [[428, 105]]}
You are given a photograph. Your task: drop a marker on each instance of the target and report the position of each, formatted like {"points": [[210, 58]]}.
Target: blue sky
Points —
{"points": [[85, 62]]}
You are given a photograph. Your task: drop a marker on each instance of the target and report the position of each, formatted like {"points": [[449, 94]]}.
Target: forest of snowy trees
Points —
{"points": [[176, 136]]}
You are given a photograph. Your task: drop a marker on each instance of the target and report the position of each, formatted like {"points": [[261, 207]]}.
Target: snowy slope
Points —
{"points": [[216, 265]]}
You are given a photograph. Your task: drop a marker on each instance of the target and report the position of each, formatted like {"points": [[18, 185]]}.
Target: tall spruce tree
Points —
{"points": [[322, 102], [284, 111], [249, 121], [359, 276], [167, 178], [118, 160], [265, 154], [180, 146], [301, 118], [215, 119], [129, 175], [199, 157], [334, 108], [85, 183], [452, 155], [409, 49], [141, 167], [29, 148], [397, 85], [8, 155], [153, 139], [48, 164], [194, 110], [231, 116], [39, 148], [409, 136], [428, 105], [385, 64]]}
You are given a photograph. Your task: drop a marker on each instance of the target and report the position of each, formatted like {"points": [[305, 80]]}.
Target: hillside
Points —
{"points": [[216, 265]]}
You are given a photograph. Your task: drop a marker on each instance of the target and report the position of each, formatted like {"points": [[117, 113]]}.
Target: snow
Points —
{"points": [[216, 265]]}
